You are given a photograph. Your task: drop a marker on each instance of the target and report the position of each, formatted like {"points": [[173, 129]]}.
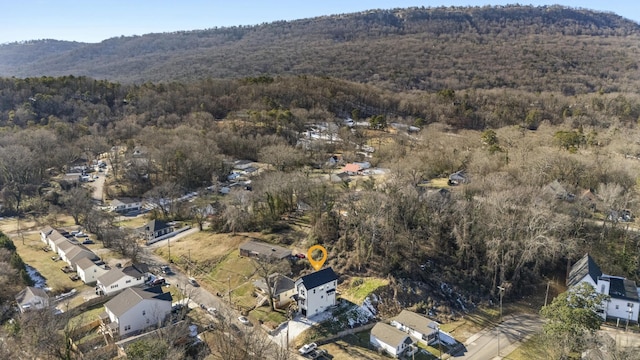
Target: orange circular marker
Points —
{"points": [[317, 264]]}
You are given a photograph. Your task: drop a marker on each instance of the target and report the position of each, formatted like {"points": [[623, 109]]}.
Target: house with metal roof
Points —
{"points": [[316, 292], [393, 341], [262, 250], [624, 299], [137, 309]]}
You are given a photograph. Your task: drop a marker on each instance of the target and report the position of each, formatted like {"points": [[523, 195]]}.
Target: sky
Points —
{"points": [[94, 21]]}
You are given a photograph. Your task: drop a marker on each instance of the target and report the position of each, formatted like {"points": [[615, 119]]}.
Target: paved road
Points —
{"points": [[493, 343]]}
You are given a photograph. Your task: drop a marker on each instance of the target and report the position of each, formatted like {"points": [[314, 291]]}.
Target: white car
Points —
{"points": [[307, 348], [244, 320], [212, 311]]}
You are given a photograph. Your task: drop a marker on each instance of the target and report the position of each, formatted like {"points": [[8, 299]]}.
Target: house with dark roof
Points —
{"points": [[624, 301], [283, 289], [155, 229], [32, 298], [116, 280], [316, 292], [393, 341], [262, 250], [136, 309], [416, 326]]}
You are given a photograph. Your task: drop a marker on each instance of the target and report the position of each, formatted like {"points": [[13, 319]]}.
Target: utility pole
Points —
{"points": [[547, 293], [501, 289], [229, 287]]}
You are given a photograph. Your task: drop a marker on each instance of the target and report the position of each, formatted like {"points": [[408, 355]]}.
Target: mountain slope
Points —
{"points": [[533, 48]]}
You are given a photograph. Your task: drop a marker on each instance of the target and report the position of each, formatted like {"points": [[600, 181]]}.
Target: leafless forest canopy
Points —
{"points": [[539, 106]]}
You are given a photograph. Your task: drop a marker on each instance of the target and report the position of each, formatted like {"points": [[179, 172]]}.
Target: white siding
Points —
{"points": [[382, 345], [123, 283], [91, 275], [622, 310], [144, 314]]}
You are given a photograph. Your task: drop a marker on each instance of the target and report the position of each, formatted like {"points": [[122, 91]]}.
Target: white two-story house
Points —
{"points": [[136, 309], [316, 292], [116, 280], [624, 302], [89, 271]]}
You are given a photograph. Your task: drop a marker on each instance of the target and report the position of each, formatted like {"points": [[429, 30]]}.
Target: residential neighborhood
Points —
{"points": [[416, 183]]}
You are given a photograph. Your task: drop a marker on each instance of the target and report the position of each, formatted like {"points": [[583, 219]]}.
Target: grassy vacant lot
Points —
{"points": [[357, 289], [268, 316], [133, 222], [203, 247]]}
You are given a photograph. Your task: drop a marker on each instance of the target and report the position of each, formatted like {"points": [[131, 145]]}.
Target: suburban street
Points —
{"points": [[493, 343]]}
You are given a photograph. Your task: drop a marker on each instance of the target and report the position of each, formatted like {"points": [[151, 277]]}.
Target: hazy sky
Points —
{"points": [[94, 21]]}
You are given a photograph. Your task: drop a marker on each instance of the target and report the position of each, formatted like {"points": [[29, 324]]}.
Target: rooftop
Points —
{"points": [[583, 267], [264, 249], [390, 335], [120, 304], [318, 278], [415, 321]]}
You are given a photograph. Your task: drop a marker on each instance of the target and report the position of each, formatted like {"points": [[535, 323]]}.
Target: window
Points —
{"points": [[128, 281], [617, 307], [314, 291], [127, 328], [630, 305], [144, 313], [602, 289], [321, 296]]}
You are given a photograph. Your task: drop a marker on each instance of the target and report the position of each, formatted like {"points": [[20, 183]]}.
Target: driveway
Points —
{"points": [[501, 340]]}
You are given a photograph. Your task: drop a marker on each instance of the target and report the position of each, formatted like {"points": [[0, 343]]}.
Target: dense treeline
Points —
{"points": [[186, 134], [531, 48]]}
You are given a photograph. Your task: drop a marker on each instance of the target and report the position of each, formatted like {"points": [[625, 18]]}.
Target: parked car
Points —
{"points": [[244, 320], [166, 270], [87, 242], [307, 348], [158, 281], [212, 311], [193, 282], [301, 256]]}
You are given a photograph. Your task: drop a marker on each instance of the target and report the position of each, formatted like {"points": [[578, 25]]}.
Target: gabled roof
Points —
{"points": [[124, 201], [130, 297], [282, 284], [78, 252], [265, 249], [583, 267], [318, 278], [47, 230], [415, 322], [352, 167], [29, 293], [64, 244], [155, 225], [114, 275], [85, 263], [625, 289], [390, 335]]}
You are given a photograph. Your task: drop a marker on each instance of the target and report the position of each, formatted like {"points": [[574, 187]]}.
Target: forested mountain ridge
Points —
{"points": [[530, 48]]}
